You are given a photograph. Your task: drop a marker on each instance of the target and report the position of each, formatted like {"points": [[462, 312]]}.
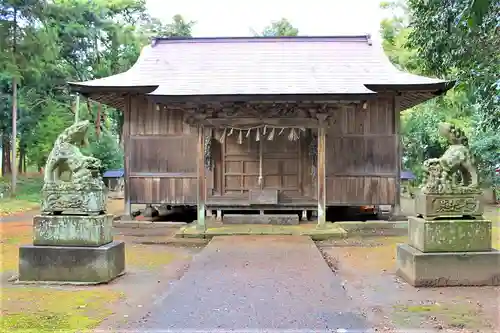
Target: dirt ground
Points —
{"points": [[367, 266], [151, 268]]}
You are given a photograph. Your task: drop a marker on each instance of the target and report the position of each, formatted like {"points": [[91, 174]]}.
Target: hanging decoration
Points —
{"points": [[261, 132], [313, 152], [271, 135], [209, 162]]}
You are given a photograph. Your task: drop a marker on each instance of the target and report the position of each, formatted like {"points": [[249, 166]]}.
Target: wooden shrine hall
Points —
{"points": [[262, 124]]}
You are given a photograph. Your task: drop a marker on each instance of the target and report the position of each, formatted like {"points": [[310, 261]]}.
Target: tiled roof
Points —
{"points": [[343, 65], [407, 175], [113, 173]]}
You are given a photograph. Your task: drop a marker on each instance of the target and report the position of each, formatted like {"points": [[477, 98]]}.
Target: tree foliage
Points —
{"points": [[45, 44], [457, 40], [461, 40], [282, 27]]}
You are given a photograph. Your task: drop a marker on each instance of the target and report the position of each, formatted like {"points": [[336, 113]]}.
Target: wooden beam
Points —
{"points": [[126, 150], [321, 175], [202, 192], [252, 122], [163, 175]]}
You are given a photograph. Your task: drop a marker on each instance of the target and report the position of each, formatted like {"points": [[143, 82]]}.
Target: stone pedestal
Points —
{"points": [[449, 235], [65, 199], [449, 244], [445, 269], [87, 265], [431, 206], [72, 230], [72, 249]]}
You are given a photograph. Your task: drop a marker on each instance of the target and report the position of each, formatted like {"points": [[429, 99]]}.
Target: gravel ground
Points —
{"points": [[263, 283]]}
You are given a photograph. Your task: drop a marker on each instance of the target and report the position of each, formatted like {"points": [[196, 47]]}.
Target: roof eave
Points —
{"points": [[260, 97], [437, 87], [84, 88]]}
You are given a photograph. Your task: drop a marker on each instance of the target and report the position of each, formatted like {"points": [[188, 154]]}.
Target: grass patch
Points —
{"points": [[44, 310], [451, 315], [27, 194]]}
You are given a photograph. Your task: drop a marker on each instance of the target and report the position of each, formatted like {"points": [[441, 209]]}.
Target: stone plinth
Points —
{"points": [[448, 268], [431, 206], [275, 219], [71, 264], [449, 235], [72, 230], [68, 200]]}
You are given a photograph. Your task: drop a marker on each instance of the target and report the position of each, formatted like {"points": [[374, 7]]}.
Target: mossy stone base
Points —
{"points": [[449, 235], [59, 199], [431, 206], [71, 264], [446, 269], [72, 230]]}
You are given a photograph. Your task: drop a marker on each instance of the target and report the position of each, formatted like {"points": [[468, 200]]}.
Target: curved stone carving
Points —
{"points": [[72, 182], [454, 172]]}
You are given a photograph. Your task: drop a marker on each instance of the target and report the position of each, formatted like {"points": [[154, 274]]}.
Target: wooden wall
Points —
{"points": [[161, 151], [361, 159]]}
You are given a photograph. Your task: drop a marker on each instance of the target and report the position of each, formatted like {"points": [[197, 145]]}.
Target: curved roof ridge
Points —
{"points": [[262, 39]]}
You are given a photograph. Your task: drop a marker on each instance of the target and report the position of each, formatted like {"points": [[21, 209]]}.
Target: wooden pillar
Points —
{"points": [[202, 193], [126, 152], [321, 176], [396, 211]]}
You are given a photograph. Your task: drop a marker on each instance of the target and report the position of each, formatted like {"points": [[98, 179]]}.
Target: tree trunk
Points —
{"points": [[6, 167], [21, 163]]}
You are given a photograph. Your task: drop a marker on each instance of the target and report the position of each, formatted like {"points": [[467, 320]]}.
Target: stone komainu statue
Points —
{"points": [[72, 182], [450, 187], [454, 172]]}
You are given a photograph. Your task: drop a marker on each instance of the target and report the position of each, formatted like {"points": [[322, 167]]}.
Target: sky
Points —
{"points": [[228, 18]]}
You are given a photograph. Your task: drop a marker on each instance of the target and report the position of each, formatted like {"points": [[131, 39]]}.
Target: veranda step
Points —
{"points": [[277, 219]]}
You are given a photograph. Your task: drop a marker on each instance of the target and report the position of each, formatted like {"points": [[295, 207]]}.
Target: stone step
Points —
{"points": [[277, 219]]}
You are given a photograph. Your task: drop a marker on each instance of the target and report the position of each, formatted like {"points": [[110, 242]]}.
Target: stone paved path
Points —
{"points": [[263, 283]]}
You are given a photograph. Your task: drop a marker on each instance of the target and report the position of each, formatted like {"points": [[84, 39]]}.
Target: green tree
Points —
{"points": [[46, 44], [279, 28], [460, 39], [414, 42]]}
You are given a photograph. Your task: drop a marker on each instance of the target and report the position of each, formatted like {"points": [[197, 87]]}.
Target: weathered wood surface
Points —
{"points": [[322, 187], [176, 191], [201, 190], [263, 197], [360, 161], [127, 153], [361, 155]]}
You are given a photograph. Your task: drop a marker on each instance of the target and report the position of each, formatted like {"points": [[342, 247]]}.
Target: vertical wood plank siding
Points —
{"points": [[162, 155], [360, 168], [361, 155]]}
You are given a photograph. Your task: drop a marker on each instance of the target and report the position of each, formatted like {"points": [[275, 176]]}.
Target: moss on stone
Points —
{"points": [[449, 235]]}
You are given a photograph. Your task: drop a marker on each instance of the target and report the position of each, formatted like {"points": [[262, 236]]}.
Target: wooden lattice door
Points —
{"points": [[276, 161]]}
